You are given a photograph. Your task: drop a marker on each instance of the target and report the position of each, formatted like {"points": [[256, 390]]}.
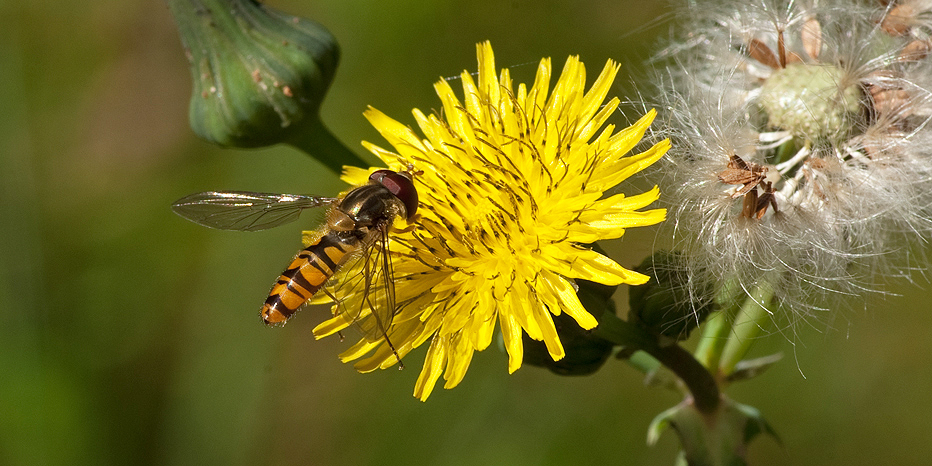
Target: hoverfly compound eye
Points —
{"points": [[401, 185]]}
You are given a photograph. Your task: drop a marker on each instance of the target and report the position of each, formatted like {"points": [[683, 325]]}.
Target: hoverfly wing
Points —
{"points": [[366, 288], [244, 210], [384, 311]]}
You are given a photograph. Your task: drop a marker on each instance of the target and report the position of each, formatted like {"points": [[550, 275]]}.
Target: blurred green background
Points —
{"points": [[130, 336]]}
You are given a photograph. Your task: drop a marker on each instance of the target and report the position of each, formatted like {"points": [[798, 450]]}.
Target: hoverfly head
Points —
{"points": [[401, 184]]}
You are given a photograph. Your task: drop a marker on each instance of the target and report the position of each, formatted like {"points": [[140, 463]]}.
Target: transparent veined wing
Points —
{"points": [[377, 289], [244, 210], [363, 291], [364, 288]]}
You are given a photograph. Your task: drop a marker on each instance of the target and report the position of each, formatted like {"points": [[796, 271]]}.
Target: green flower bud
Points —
{"points": [[585, 352], [663, 304], [259, 75]]}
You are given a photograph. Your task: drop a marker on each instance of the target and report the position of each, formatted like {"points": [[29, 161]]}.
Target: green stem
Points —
{"points": [[749, 324], [643, 362], [785, 151], [318, 142], [623, 333], [695, 376], [714, 336], [717, 327]]}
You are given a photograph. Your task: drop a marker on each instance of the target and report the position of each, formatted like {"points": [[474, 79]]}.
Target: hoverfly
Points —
{"points": [[357, 228]]}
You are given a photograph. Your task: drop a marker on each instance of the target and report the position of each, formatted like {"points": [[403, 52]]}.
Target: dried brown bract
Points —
{"points": [[750, 175], [899, 19], [915, 50], [738, 171], [811, 35], [755, 205]]}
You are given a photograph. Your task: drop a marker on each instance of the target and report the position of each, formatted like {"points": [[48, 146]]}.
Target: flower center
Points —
{"points": [[810, 100]]}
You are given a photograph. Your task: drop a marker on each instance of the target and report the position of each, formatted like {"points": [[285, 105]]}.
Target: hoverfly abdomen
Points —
{"points": [[304, 277]]}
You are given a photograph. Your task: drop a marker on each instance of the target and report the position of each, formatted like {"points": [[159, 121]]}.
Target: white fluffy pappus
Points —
{"points": [[802, 148]]}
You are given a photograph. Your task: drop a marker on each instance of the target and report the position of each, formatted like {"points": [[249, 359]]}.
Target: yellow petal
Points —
{"points": [[511, 334], [458, 361], [433, 367], [331, 326], [570, 301], [548, 332]]}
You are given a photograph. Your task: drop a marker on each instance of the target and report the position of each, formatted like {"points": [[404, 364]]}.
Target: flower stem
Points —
{"points": [[749, 323], [717, 327], [318, 142], [714, 336], [695, 376]]}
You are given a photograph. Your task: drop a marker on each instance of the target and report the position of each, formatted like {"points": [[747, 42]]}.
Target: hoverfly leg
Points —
{"points": [[337, 302], [401, 365]]}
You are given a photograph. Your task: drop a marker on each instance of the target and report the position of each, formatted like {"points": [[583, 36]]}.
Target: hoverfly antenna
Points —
{"points": [[411, 172]]}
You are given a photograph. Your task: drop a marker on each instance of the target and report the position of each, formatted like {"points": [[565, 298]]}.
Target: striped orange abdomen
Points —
{"points": [[306, 274]]}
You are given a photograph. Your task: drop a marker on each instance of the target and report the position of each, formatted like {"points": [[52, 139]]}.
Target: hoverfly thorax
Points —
{"points": [[371, 205]]}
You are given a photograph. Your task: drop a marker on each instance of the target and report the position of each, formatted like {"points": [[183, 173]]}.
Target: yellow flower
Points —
{"points": [[513, 182]]}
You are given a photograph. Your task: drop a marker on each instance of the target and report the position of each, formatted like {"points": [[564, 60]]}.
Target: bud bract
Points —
{"points": [[585, 352], [259, 75], [664, 304]]}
